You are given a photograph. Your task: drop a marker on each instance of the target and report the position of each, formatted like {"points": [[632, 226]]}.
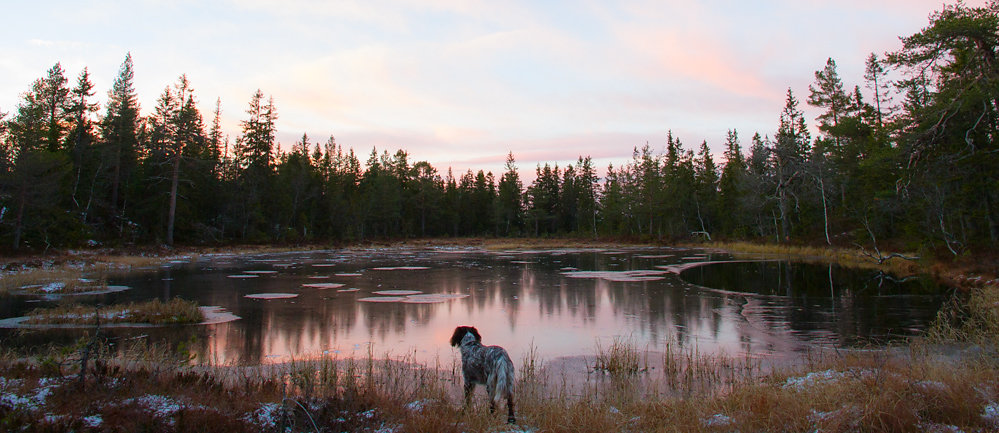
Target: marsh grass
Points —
{"points": [[621, 358], [847, 257], [836, 392], [972, 318], [156, 312]]}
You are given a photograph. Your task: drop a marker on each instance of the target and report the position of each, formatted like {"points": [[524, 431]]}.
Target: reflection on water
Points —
{"points": [[519, 299]]}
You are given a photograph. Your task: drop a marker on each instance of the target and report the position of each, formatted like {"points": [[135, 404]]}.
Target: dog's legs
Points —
{"points": [[509, 407], [491, 392], [469, 387]]}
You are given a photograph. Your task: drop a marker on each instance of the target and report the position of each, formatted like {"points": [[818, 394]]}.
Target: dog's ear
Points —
{"points": [[475, 332], [459, 333]]}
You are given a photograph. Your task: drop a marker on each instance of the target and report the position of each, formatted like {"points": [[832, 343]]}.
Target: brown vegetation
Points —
{"points": [[155, 312]]}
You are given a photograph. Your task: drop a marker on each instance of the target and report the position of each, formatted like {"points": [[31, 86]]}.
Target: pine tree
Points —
{"points": [[791, 148], [119, 135], [509, 202], [80, 143], [731, 185]]}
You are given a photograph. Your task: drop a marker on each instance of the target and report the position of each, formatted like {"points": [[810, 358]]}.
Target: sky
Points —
{"points": [[460, 83]]}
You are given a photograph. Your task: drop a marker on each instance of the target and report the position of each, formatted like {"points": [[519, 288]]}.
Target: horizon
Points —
{"points": [[461, 85]]}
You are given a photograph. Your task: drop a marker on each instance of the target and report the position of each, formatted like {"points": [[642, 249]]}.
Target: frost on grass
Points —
{"points": [[323, 285], [271, 295]]}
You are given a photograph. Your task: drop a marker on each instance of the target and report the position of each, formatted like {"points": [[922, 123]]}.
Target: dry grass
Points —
{"points": [[847, 257], [174, 311], [869, 392], [621, 358]]}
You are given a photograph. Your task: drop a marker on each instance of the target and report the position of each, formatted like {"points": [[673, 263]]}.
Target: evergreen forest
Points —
{"points": [[906, 159]]}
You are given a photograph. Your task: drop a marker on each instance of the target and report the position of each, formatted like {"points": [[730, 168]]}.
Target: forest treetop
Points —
{"points": [[909, 161]]}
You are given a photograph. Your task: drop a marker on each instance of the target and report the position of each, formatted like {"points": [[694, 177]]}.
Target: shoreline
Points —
{"points": [[930, 383]]}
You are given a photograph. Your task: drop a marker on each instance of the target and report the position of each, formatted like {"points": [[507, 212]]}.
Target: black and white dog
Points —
{"points": [[487, 365]]}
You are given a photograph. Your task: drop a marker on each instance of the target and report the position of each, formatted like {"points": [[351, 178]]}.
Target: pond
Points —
{"points": [[562, 302]]}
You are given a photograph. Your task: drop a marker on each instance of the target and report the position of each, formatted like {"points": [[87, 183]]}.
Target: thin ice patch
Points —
{"points": [[260, 272], [433, 298], [382, 299], [271, 295], [619, 276], [348, 274], [352, 289], [397, 292], [242, 276], [323, 285], [401, 268]]}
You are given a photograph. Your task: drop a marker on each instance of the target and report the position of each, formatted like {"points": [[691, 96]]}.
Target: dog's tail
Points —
{"points": [[503, 376]]}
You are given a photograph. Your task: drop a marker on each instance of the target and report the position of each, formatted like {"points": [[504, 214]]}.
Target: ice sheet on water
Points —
{"points": [[400, 268], [619, 276], [397, 292], [382, 299], [323, 285], [240, 276], [271, 295]]}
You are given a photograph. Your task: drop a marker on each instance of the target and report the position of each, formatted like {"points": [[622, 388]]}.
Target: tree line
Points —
{"points": [[907, 157]]}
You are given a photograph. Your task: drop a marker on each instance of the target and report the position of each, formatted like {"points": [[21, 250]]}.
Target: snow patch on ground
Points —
{"points": [[266, 416], [418, 405], [717, 420], [939, 428], [990, 413], [813, 378], [160, 406], [31, 402], [93, 421]]}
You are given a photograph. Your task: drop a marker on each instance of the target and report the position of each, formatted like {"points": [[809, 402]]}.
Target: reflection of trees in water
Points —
{"points": [[797, 300]]}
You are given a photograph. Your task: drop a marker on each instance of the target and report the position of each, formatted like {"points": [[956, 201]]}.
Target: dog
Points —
{"points": [[486, 365]]}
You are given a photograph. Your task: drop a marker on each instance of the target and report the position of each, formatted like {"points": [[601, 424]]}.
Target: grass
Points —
{"points": [[847, 257], [155, 312], [922, 388], [149, 388]]}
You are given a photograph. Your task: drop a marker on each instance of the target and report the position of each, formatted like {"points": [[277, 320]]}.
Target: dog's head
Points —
{"points": [[460, 332]]}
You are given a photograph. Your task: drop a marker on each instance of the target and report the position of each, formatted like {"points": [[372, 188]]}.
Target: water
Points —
{"points": [[516, 299]]}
